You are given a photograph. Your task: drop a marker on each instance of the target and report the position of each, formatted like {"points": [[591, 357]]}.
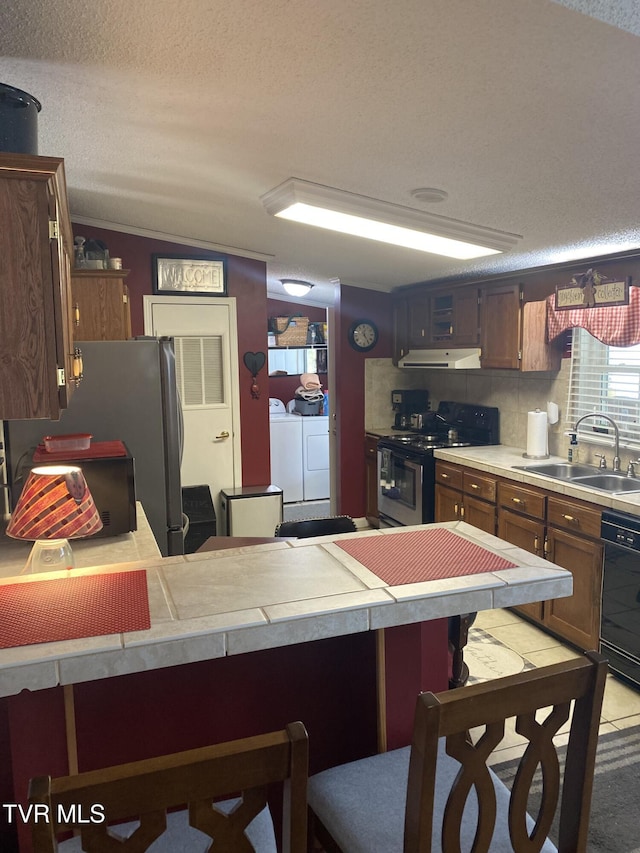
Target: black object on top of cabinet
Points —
{"points": [[18, 120]]}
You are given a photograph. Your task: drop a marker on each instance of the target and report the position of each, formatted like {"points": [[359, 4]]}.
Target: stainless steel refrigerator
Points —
{"points": [[128, 393]]}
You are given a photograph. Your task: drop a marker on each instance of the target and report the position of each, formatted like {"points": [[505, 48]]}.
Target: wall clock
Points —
{"points": [[363, 335]]}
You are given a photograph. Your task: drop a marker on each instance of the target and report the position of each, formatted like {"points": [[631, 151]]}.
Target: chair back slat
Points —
{"points": [[472, 722], [145, 790]]}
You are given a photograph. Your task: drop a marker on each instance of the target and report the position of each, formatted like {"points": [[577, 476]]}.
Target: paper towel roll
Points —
{"points": [[537, 434]]}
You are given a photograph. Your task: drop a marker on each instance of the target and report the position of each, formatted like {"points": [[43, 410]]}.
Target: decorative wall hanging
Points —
{"points": [[196, 275], [591, 290], [254, 362], [616, 325]]}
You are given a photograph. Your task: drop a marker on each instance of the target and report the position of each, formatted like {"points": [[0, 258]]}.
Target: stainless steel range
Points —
{"points": [[406, 464]]}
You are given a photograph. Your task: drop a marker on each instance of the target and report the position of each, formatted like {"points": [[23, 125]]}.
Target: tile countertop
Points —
{"points": [[499, 459], [212, 604], [138, 545]]}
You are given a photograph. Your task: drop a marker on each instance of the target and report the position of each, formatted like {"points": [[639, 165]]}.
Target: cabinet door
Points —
{"points": [[480, 513], [36, 346], [400, 330], [371, 470], [526, 533], [448, 504], [466, 322], [101, 305], [576, 618], [500, 332], [418, 322]]}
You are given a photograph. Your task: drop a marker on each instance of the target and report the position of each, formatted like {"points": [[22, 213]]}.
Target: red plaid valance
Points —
{"points": [[616, 325]]}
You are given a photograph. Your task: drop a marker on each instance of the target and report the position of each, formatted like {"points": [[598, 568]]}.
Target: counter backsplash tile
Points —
{"points": [[513, 393]]}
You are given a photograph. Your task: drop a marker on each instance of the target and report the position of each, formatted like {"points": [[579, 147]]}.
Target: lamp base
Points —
{"points": [[50, 555]]}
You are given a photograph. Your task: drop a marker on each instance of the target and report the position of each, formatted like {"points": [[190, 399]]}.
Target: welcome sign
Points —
{"points": [[591, 290]]}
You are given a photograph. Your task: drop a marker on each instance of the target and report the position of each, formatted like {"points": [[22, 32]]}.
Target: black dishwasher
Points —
{"points": [[620, 624]]}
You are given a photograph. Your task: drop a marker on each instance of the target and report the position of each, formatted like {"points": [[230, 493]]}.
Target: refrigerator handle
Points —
{"points": [[180, 426]]}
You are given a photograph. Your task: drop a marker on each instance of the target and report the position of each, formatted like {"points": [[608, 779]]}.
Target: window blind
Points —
{"points": [[604, 379]]}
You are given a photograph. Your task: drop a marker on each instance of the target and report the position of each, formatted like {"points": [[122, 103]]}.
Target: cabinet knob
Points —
{"points": [[76, 315], [569, 517], [444, 476], [474, 486], [518, 501]]}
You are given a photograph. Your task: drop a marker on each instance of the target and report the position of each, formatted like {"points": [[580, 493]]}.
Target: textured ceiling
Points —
{"points": [[176, 117]]}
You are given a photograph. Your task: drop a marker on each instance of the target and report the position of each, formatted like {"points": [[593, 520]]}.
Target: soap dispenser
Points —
{"points": [[573, 442]]}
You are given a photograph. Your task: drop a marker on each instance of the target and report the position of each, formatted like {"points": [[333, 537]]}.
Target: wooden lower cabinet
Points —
{"points": [[447, 504], [560, 529], [576, 618], [567, 532], [371, 474], [467, 496], [528, 534], [481, 514]]}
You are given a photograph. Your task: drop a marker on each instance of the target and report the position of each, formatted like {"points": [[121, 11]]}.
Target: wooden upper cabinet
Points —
{"points": [[36, 244], [454, 318], [513, 332], [418, 322], [400, 330], [500, 320], [101, 308]]}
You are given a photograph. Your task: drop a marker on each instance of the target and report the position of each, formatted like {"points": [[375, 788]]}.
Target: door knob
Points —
{"points": [[223, 434]]}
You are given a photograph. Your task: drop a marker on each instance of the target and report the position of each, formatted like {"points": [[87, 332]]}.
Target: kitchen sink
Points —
{"points": [[585, 475], [614, 483], [560, 470]]}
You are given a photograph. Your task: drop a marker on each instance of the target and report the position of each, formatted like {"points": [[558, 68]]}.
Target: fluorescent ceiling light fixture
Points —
{"points": [[294, 287], [360, 216]]}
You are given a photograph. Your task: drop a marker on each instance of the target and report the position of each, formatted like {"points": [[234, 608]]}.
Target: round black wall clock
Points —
{"points": [[363, 335]]}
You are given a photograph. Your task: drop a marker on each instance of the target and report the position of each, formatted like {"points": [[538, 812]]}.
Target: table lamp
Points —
{"points": [[55, 505]]}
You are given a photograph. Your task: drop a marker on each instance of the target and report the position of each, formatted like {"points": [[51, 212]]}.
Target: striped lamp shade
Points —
{"points": [[55, 504]]}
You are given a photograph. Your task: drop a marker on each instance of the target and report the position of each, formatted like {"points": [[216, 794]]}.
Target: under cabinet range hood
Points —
{"points": [[438, 359]]}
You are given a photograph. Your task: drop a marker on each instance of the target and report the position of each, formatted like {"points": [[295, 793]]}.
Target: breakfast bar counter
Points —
{"points": [[341, 632]]}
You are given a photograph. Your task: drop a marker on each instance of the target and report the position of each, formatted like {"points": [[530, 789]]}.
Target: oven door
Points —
{"points": [[399, 487]]}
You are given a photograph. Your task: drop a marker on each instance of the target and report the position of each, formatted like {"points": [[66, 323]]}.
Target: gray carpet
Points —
{"points": [[615, 810]]}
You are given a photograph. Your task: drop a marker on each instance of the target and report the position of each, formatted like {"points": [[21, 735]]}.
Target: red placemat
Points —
{"points": [[97, 450], [422, 555], [73, 607]]}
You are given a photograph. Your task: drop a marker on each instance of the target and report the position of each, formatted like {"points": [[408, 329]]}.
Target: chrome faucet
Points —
{"points": [[616, 458]]}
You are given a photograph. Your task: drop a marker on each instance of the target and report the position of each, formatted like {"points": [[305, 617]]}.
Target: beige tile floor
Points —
{"points": [[621, 706]]}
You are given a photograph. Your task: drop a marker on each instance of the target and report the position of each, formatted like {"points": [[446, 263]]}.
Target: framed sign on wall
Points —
{"points": [[196, 275]]}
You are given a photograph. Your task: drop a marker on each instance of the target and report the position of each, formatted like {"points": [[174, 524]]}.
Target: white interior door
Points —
{"points": [[205, 334]]}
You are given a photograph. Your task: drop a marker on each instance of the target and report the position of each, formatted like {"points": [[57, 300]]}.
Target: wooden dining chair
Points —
{"points": [[439, 794], [138, 801]]}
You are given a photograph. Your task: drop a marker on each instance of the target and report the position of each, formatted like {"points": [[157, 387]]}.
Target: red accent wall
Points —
{"points": [[246, 281], [356, 304]]}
